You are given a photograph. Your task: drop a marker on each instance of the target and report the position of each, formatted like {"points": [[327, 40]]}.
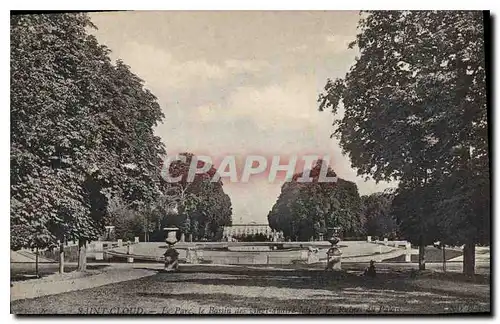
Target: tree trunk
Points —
{"points": [[36, 262], [469, 258], [444, 258], [61, 257], [82, 254], [421, 256]]}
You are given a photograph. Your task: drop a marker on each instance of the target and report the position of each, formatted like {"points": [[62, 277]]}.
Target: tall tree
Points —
{"points": [[377, 216], [306, 210], [49, 128], [202, 207], [415, 109], [82, 129]]}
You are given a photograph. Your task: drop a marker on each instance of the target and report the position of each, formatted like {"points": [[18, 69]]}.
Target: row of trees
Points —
{"points": [[377, 215], [199, 208], [415, 111], [306, 210], [83, 149]]}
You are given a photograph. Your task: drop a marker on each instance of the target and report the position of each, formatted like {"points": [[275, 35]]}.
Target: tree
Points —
{"points": [[306, 210], [377, 215], [414, 209], [280, 215], [202, 206], [82, 130], [415, 108], [45, 124], [128, 222]]}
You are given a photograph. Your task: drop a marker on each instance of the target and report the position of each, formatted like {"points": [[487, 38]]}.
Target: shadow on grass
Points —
{"points": [[352, 271], [306, 292], [362, 302], [403, 281]]}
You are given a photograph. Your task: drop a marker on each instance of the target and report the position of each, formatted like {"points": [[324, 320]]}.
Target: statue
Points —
{"points": [[370, 271], [171, 259], [171, 255], [192, 256], [312, 255]]}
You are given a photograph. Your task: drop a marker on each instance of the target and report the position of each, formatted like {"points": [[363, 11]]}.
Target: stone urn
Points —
{"points": [[334, 255], [171, 255], [334, 240]]}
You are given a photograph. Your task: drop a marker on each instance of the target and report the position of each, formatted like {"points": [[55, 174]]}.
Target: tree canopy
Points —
{"points": [[81, 131], [377, 215], [414, 107], [305, 210], [203, 207]]}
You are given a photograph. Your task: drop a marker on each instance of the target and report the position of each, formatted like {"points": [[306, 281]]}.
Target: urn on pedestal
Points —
{"points": [[334, 255], [171, 255]]}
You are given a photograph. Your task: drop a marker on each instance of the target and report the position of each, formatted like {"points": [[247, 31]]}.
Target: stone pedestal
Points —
{"points": [[171, 259], [368, 238], [99, 254], [120, 242], [130, 251], [192, 256], [312, 256], [386, 241], [334, 259], [303, 255], [183, 238], [408, 252], [171, 255], [136, 239], [333, 254]]}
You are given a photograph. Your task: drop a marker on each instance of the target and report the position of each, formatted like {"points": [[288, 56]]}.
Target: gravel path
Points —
{"points": [[240, 290], [56, 283]]}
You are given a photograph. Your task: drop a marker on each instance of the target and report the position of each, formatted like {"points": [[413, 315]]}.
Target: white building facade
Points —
{"points": [[230, 232]]}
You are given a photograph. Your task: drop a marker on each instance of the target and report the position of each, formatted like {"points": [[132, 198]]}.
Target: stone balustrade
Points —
{"points": [[396, 244]]}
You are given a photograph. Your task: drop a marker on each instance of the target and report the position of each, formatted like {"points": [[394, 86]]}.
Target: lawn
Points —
{"points": [[432, 254], [222, 290]]}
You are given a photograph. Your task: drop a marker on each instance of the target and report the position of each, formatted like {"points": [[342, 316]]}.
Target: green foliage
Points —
{"points": [[305, 210]]}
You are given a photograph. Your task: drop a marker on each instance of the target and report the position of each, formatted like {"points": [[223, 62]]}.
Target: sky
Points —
{"points": [[240, 83]]}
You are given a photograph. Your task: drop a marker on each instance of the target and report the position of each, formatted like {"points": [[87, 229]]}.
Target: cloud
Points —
{"points": [[298, 49], [240, 84], [288, 105], [160, 68], [338, 43]]}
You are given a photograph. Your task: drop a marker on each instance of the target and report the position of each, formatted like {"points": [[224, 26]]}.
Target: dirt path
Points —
{"points": [[56, 283], [26, 256]]}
